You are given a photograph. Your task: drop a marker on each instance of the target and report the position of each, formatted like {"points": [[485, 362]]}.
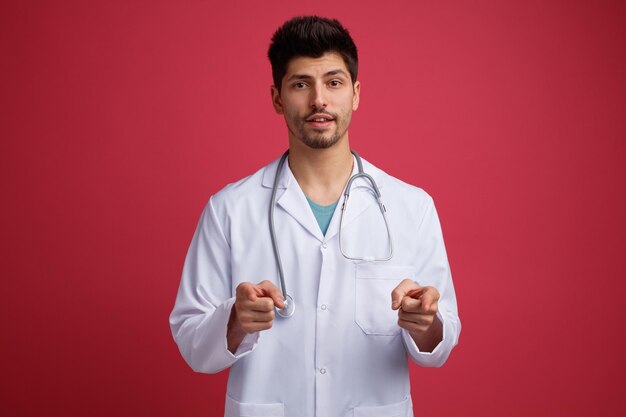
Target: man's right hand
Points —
{"points": [[253, 310]]}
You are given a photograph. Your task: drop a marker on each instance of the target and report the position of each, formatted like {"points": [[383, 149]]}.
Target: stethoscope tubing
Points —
{"points": [[289, 302], [272, 229]]}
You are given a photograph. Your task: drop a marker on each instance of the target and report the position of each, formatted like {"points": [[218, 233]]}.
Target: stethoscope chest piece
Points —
{"points": [[289, 309]]}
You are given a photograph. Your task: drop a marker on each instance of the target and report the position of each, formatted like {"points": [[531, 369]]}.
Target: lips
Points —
{"points": [[319, 117], [320, 120]]}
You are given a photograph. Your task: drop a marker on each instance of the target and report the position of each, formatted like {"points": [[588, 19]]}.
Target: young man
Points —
{"points": [[371, 283]]}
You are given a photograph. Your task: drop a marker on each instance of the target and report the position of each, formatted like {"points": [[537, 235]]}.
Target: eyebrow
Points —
{"points": [[308, 77]]}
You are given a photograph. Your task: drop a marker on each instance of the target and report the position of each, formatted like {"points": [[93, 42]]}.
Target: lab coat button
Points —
{"points": [[323, 306], [322, 371], [324, 245]]}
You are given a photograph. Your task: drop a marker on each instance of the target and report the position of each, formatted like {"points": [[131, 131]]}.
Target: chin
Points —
{"points": [[320, 143]]}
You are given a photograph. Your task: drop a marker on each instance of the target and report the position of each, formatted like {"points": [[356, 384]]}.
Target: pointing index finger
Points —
{"points": [[248, 291], [273, 292], [416, 293], [429, 297], [400, 291]]}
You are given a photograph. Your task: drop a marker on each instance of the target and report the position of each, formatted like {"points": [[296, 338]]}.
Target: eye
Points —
{"points": [[335, 83], [299, 85]]}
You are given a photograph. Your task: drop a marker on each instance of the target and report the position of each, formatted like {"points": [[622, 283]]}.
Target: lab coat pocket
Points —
{"points": [[237, 409], [400, 409], [374, 284]]}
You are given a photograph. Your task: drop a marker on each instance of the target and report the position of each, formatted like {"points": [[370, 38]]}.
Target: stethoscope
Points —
{"points": [[290, 306]]}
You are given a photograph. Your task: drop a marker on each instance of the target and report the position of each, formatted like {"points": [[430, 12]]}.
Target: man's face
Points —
{"points": [[317, 99]]}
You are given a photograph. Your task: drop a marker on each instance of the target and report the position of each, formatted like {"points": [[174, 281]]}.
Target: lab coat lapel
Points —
{"points": [[294, 202]]}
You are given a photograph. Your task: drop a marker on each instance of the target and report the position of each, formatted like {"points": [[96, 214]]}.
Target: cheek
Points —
{"points": [[292, 119], [291, 116], [346, 118], [291, 109]]}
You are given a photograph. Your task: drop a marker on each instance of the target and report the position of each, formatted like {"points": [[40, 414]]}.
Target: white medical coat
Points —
{"points": [[342, 353]]}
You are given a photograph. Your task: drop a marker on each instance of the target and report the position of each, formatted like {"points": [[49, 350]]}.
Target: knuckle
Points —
{"points": [[239, 289], [434, 292]]}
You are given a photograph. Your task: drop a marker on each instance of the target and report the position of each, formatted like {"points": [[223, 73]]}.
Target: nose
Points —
{"points": [[318, 98]]}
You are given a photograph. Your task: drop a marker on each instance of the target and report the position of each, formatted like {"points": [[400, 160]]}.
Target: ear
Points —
{"points": [[357, 95], [276, 100]]}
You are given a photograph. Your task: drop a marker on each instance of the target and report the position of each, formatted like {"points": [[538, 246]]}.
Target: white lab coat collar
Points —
{"points": [[294, 202]]}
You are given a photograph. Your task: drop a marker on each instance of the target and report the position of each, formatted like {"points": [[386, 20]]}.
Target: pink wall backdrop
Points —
{"points": [[119, 119]]}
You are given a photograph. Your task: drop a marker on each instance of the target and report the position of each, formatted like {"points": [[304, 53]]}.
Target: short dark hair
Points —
{"points": [[310, 36]]}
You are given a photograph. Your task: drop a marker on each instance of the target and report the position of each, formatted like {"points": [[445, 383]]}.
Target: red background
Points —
{"points": [[120, 118]]}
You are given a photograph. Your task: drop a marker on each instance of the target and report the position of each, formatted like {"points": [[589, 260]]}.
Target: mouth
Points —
{"points": [[320, 120]]}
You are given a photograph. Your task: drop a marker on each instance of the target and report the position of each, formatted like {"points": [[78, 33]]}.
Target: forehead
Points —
{"points": [[305, 65]]}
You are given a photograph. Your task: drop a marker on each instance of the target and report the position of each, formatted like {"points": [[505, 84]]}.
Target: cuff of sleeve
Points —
{"points": [[434, 358], [249, 341]]}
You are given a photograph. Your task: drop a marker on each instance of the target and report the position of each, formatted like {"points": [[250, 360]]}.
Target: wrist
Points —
{"points": [[234, 327], [427, 341], [234, 333]]}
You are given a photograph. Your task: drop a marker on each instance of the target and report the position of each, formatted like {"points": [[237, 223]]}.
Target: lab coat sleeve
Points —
{"points": [[204, 301], [433, 270]]}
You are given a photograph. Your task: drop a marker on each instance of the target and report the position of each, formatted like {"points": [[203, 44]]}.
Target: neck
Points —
{"points": [[321, 173]]}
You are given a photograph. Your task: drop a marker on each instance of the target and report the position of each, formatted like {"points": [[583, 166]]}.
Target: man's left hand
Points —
{"points": [[417, 312]]}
